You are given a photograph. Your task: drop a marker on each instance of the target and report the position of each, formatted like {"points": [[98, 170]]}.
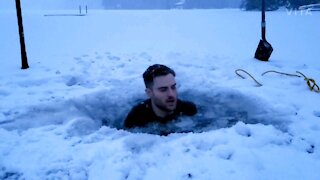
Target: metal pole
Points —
{"points": [[263, 20], [24, 58]]}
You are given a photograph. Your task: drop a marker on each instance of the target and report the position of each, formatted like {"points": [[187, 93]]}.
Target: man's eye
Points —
{"points": [[163, 89], [174, 87]]}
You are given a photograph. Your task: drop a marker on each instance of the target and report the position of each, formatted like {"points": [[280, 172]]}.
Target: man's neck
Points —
{"points": [[159, 112]]}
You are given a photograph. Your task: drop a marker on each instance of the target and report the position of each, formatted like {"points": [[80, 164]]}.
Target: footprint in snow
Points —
{"points": [[145, 56], [113, 58], [242, 129], [316, 113], [77, 58], [120, 65], [302, 66], [72, 81], [7, 174], [99, 57], [4, 93], [225, 154]]}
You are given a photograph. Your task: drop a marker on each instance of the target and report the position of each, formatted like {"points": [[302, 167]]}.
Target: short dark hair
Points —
{"points": [[155, 71]]}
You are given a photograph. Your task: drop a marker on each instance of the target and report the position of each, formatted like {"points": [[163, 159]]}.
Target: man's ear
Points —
{"points": [[148, 92]]}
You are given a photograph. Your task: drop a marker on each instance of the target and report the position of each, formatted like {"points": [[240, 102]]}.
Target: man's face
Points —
{"points": [[163, 93]]}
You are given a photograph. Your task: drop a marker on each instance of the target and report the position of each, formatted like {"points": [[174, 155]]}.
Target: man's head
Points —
{"points": [[161, 87]]}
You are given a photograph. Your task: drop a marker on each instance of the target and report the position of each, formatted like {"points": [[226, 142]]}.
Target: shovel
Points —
{"points": [[264, 48]]}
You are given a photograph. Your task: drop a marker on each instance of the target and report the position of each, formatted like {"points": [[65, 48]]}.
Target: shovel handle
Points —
{"points": [[263, 20]]}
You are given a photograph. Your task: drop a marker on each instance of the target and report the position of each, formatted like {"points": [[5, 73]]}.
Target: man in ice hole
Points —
{"points": [[163, 104]]}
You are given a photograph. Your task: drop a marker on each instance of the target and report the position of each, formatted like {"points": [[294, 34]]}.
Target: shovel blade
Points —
{"points": [[263, 51]]}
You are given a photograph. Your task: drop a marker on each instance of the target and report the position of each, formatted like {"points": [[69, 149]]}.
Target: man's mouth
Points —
{"points": [[171, 101]]}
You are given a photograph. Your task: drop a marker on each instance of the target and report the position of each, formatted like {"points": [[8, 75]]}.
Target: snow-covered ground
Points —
{"points": [[62, 118]]}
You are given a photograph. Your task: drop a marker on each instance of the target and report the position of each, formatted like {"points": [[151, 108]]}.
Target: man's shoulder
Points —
{"points": [[186, 107], [143, 105], [138, 116]]}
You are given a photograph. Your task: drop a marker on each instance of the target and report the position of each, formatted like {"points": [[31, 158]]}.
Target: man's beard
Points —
{"points": [[163, 106]]}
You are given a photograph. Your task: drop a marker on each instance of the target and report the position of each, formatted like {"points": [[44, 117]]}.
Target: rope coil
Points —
{"points": [[258, 84], [310, 82], [287, 74]]}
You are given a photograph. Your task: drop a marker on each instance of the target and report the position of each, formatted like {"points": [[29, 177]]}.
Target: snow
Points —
{"points": [[62, 118]]}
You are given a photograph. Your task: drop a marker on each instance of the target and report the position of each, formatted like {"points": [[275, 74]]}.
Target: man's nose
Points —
{"points": [[171, 92]]}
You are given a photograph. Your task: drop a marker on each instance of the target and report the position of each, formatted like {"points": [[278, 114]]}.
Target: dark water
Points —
{"points": [[216, 109]]}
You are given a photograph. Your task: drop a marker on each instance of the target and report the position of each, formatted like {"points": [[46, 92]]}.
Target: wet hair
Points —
{"points": [[155, 71]]}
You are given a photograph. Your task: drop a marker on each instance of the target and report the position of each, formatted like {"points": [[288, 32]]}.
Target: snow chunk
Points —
{"points": [[82, 126]]}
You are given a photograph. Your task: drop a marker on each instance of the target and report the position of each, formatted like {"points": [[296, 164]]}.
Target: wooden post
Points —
{"points": [[24, 59], [86, 9]]}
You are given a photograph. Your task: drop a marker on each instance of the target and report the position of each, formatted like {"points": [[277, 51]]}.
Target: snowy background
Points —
{"points": [[62, 117]]}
